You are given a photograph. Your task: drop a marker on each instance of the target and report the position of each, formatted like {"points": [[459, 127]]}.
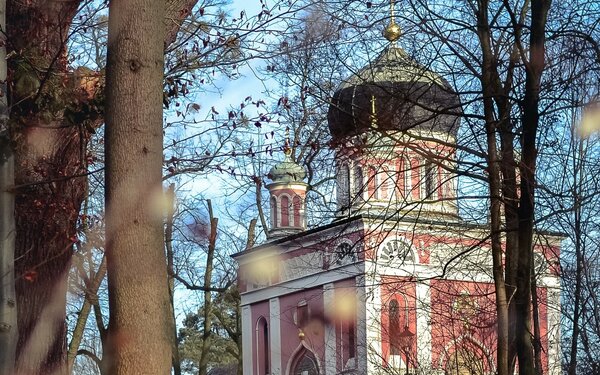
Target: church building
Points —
{"points": [[399, 283]]}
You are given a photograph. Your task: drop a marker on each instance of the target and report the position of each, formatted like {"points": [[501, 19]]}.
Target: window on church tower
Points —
{"points": [[372, 183], [430, 180], [358, 182], [386, 182], [285, 211], [274, 212], [416, 181], [539, 263], [297, 207], [343, 186]]}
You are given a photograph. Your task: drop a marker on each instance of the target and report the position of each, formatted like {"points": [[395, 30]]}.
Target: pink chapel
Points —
{"points": [[399, 283]]}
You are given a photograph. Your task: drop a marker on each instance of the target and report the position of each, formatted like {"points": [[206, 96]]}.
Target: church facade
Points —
{"points": [[399, 283]]}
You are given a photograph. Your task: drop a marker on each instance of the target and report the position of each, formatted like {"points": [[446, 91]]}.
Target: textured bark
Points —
{"points": [[91, 299], [489, 86], [49, 155], [207, 307], [579, 258], [139, 334], [47, 204], [534, 68], [170, 200], [8, 311]]}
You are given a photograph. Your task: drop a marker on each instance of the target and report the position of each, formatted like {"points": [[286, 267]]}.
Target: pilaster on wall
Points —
{"points": [[424, 348], [554, 353], [330, 339], [275, 335], [369, 324], [247, 340]]}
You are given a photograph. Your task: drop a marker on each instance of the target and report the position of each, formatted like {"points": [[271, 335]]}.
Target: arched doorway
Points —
{"points": [[305, 364]]}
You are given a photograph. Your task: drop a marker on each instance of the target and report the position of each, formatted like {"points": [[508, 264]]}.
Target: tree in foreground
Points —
{"points": [[138, 335]]}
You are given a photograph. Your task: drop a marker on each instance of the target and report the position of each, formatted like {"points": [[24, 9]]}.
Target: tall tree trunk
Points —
{"points": [[8, 311], [50, 180], [47, 151], [170, 200], [139, 333], [531, 117], [578, 157], [207, 323], [91, 299], [488, 75], [537, 335]]}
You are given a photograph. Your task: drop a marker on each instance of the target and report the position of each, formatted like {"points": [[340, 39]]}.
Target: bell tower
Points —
{"points": [[287, 195]]}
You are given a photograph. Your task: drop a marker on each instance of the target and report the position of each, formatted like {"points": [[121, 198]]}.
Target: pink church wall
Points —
{"points": [[314, 331], [474, 324], [402, 290], [463, 313]]}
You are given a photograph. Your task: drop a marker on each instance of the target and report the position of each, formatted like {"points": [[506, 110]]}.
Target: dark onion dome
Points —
{"points": [[406, 96]]}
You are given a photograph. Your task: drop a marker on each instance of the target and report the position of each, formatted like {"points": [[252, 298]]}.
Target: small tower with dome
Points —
{"points": [[287, 195]]}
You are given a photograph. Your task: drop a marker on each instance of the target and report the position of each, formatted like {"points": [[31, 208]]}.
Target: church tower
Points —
{"points": [[287, 194], [398, 283], [394, 124]]}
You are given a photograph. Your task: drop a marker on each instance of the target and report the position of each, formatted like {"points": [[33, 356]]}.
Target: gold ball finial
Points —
{"points": [[301, 335], [392, 32]]}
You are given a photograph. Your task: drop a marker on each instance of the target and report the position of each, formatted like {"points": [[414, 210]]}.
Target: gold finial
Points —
{"points": [[301, 334], [373, 112], [287, 149], [392, 32]]}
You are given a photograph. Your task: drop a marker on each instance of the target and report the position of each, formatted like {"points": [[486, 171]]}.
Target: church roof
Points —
{"points": [[287, 171], [394, 92], [393, 65]]}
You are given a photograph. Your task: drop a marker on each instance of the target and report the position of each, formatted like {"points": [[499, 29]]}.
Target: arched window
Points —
{"points": [[285, 211], [305, 364], [274, 212], [347, 341], [372, 183], [386, 182], [416, 179], [396, 252], [394, 326], [430, 180], [262, 347], [358, 182], [297, 205], [302, 314], [540, 265], [343, 186]]}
